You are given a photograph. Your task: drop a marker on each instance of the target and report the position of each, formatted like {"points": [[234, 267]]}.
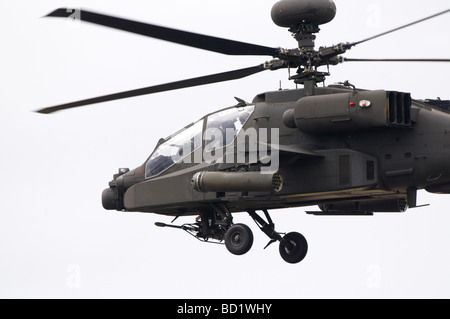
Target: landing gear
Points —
{"points": [[216, 226], [293, 246], [296, 250], [239, 239], [211, 226]]}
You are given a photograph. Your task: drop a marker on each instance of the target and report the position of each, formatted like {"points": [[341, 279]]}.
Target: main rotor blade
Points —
{"points": [[195, 40], [402, 27], [396, 60], [208, 79]]}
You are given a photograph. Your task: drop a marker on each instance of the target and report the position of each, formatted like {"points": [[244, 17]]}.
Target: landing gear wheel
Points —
{"points": [[239, 239], [293, 248]]}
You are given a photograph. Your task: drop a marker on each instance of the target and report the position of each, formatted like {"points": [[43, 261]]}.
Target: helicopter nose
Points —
{"points": [[111, 199]]}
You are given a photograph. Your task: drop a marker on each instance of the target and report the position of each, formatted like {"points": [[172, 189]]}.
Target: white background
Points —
{"points": [[56, 240]]}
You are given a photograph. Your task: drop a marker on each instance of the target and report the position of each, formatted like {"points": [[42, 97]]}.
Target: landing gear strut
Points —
{"points": [[216, 226], [293, 246]]}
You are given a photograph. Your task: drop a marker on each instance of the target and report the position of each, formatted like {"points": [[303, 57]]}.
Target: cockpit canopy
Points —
{"points": [[220, 130]]}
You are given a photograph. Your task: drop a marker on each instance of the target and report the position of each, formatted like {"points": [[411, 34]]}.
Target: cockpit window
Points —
{"points": [[222, 127], [221, 130], [174, 149]]}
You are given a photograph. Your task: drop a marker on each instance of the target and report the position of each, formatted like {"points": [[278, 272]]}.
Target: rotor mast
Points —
{"points": [[307, 74], [303, 18]]}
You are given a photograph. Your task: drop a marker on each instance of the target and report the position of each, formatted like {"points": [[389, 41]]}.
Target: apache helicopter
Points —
{"points": [[350, 151]]}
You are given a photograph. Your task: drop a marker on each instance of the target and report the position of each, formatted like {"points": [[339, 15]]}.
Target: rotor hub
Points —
{"points": [[302, 18]]}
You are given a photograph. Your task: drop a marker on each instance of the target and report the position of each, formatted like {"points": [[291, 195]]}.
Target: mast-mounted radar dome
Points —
{"points": [[291, 13], [303, 18]]}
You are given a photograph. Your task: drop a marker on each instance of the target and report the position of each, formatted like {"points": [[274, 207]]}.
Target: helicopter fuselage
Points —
{"points": [[350, 151]]}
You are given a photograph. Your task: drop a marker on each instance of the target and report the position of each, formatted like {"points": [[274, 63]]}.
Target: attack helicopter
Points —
{"points": [[350, 151]]}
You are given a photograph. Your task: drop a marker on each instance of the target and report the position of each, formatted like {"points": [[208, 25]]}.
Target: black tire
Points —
{"points": [[298, 250], [239, 239]]}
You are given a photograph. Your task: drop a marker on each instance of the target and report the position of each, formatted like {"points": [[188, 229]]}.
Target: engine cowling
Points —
{"points": [[352, 111]]}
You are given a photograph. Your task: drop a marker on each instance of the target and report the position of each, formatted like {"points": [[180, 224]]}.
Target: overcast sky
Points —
{"points": [[56, 240]]}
